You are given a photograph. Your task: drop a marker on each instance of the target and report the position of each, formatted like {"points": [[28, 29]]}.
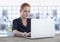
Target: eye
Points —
{"points": [[25, 11], [28, 11]]}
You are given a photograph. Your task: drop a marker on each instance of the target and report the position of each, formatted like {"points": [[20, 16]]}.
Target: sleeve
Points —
{"points": [[14, 27]]}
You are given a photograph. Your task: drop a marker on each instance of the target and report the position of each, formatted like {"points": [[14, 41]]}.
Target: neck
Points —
{"points": [[24, 19]]}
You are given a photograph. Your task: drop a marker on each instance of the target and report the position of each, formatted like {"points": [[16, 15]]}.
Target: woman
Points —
{"points": [[22, 25]]}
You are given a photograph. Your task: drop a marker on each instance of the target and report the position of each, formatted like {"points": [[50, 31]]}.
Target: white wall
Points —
{"points": [[18, 2], [32, 2], [50, 2]]}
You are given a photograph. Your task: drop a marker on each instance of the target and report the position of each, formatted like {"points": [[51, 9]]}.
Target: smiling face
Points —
{"points": [[25, 10]]}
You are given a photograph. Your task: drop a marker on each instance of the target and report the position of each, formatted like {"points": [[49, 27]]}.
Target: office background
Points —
{"points": [[9, 10]]}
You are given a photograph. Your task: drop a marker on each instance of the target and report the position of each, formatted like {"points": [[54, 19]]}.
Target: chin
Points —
{"points": [[25, 17]]}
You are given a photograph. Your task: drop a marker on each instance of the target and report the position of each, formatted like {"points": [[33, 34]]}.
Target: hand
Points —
{"points": [[28, 34], [25, 34]]}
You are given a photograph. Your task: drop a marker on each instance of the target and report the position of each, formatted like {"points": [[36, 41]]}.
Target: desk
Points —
{"points": [[20, 39]]}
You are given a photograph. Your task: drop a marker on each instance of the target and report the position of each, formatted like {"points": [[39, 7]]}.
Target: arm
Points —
{"points": [[14, 29], [20, 34], [17, 33]]}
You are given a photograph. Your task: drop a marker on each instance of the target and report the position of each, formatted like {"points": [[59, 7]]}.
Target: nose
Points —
{"points": [[27, 13]]}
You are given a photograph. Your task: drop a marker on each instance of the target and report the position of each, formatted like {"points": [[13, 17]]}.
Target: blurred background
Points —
{"points": [[9, 10]]}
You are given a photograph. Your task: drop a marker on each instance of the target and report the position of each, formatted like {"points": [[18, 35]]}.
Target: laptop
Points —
{"points": [[41, 28]]}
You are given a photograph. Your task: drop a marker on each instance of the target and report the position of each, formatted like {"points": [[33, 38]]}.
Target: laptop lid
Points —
{"points": [[42, 28]]}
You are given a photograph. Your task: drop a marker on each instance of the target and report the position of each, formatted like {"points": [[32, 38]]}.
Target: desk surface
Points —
{"points": [[20, 39]]}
